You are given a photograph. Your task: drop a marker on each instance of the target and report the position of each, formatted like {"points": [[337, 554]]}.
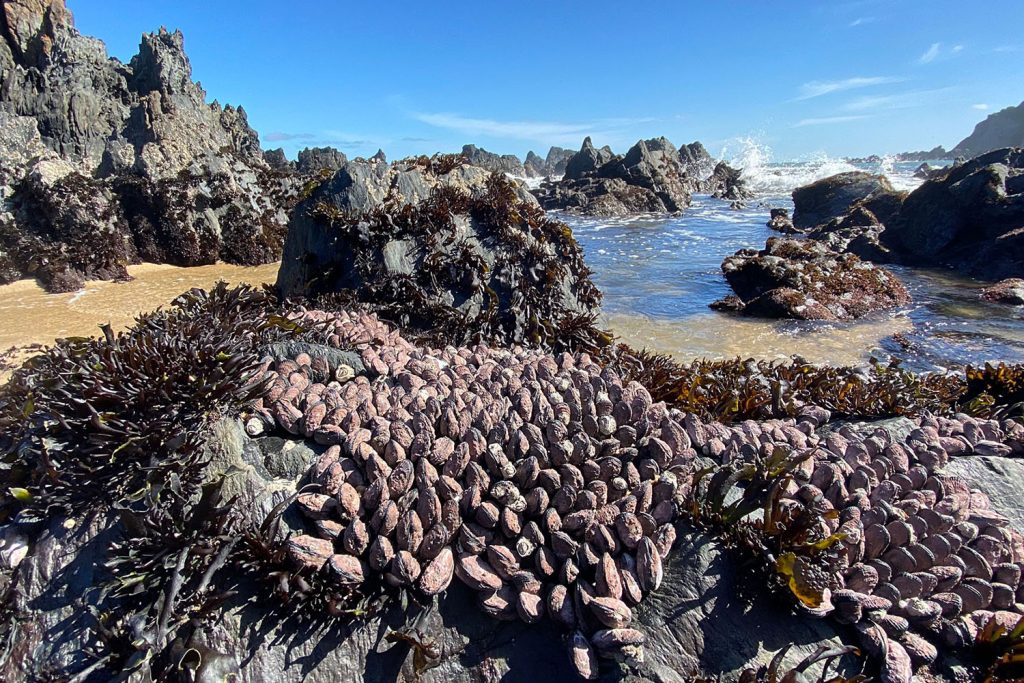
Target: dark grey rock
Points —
{"points": [[830, 198], [503, 163], [587, 160], [314, 159], [1001, 478], [1004, 128]]}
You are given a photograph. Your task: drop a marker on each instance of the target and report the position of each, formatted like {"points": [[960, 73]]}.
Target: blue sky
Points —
{"points": [[802, 78]]}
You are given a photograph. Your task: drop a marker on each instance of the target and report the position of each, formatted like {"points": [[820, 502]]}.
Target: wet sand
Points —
{"points": [[28, 315]]}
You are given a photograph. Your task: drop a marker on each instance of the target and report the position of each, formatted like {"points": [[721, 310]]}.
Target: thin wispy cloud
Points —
{"points": [[979, 107], [828, 120], [936, 52], [930, 54], [1006, 48], [903, 100], [813, 89], [278, 136], [860, 21], [544, 131]]}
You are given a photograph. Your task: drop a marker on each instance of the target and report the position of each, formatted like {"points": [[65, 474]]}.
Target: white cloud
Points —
{"points": [[937, 52], [554, 132], [903, 100], [980, 107], [819, 88], [1006, 48], [860, 21], [930, 54], [826, 120]]}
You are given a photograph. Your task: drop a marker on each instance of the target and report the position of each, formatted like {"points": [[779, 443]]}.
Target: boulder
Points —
{"points": [[653, 165], [489, 161], [970, 217], [438, 245], [726, 182], [858, 232], [1009, 291], [805, 279], [780, 221], [832, 197]]}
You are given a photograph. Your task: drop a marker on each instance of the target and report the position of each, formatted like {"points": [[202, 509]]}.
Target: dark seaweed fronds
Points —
{"points": [[521, 291], [736, 390]]}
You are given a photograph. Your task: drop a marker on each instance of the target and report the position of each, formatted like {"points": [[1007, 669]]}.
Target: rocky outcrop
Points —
{"points": [[312, 160], [113, 133], [552, 165], [1004, 128], [648, 178], [588, 160], [726, 182], [1009, 291], [780, 221], [806, 280], [489, 161], [438, 245], [822, 201], [277, 160], [969, 216]]}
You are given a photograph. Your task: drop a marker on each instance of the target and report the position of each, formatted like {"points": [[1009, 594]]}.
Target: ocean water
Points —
{"points": [[659, 274]]}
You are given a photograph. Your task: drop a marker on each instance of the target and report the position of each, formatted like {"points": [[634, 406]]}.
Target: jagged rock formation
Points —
{"points": [[726, 182], [552, 165], [587, 161], [696, 160], [1004, 128], [439, 245], [197, 186], [806, 280], [650, 177], [503, 163], [315, 159], [969, 217]]}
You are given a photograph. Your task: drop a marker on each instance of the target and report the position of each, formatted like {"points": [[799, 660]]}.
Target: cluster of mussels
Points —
{"points": [[925, 559], [539, 481], [550, 487]]}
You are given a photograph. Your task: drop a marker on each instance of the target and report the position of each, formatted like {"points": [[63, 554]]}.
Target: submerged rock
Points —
{"points": [[1009, 291], [804, 279]]}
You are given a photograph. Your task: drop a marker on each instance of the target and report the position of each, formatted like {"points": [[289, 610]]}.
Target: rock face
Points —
{"points": [[696, 160], [314, 159], [96, 127], [587, 161], [969, 217], [806, 280], [822, 201], [649, 178], [552, 165], [1004, 128], [503, 163], [438, 246]]}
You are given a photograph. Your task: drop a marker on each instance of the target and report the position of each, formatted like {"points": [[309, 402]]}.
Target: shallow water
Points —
{"points": [[658, 275]]}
